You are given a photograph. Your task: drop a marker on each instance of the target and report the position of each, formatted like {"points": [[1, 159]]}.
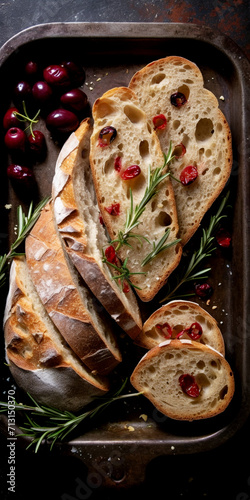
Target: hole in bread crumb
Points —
{"points": [[176, 124], [204, 129], [144, 149], [177, 329], [135, 115], [208, 153], [163, 219], [200, 364], [217, 171], [120, 147], [223, 392], [184, 89], [105, 108], [158, 78]]}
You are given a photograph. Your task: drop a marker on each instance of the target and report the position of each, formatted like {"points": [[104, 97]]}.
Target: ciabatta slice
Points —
{"points": [[174, 318], [78, 220], [165, 372], [135, 144], [198, 128], [40, 360], [67, 300]]}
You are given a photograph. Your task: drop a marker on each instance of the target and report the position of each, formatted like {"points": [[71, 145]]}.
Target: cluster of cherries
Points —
{"points": [[53, 93]]}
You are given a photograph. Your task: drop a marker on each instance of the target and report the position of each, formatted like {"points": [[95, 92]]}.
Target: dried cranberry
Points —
{"points": [[160, 122], [56, 75], [178, 99], [36, 142], [188, 175], [113, 209], [62, 120], [194, 331], [111, 255], [223, 238], [179, 150], [75, 99], [118, 164], [166, 330], [125, 288], [131, 172], [10, 119], [203, 290], [189, 386], [101, 220], [20, 174], [15, 139], [107, 135]]}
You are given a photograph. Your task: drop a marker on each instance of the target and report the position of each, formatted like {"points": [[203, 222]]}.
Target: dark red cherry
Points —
{"points": [[62, 120], [42, 92], [10, 119], [21, 175], [131, 172], [188, 175], [178, 99], [107, 136], [31, 69], [56, 75], [15, 138], [75, 99], [189, 385], [203, 290], [36, 142], [22, 92], [75, 72]]}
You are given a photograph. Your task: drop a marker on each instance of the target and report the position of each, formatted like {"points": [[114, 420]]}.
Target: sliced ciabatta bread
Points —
{"points": [[183, 319], [123, 147], [67, 300], [185, 380], [172, 89], [40, 360], [78, 219]]}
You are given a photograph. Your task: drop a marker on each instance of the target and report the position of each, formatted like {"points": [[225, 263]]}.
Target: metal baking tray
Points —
{"points": [[120, 444]]}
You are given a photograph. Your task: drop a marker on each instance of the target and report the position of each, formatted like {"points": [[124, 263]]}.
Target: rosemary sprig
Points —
{"points": [[206, 248], [159, 247], [55, 425], [134, 213], [25, 118], [24, 223], [122, 272]]}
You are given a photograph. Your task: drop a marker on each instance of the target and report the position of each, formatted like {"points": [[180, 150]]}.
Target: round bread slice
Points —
{"points": [[135, 144], [198, 130], [162, 372], [40, 360], [78, 220], [176, 316], [77, 315]]}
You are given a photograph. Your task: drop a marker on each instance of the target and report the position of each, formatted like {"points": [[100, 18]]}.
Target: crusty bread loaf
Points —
{"points": [[40, 360], [177, 316], [158, 376], [135, 144], [78, 219], [199, 125], [67, 301]]}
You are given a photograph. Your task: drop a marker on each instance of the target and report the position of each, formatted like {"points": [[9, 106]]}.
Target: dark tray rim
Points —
{"points": [[242, 66]]}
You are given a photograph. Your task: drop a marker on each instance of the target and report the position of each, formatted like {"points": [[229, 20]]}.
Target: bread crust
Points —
{"points": [[121, 99], [74, 233], [61, 298], [209, 150], [181, 409], [181, 314]]}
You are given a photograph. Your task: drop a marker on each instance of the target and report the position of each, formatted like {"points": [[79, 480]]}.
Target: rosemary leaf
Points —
{"points": [[159, 247]]}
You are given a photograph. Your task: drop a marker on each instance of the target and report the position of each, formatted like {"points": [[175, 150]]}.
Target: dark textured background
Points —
{"points": [[225, 472]]}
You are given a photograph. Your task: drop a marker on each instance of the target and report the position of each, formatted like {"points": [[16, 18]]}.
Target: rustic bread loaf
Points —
{"points": [[135, 143], [78, 220], [196, 128], [67, 300], [40, 360], [185, 380], [174, 318]]}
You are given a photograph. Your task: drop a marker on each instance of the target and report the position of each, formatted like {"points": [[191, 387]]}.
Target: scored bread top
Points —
{"points": [[67, 301], [198, 125], [180, 315], [158, 375], [78, 220], [135, 144]]}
